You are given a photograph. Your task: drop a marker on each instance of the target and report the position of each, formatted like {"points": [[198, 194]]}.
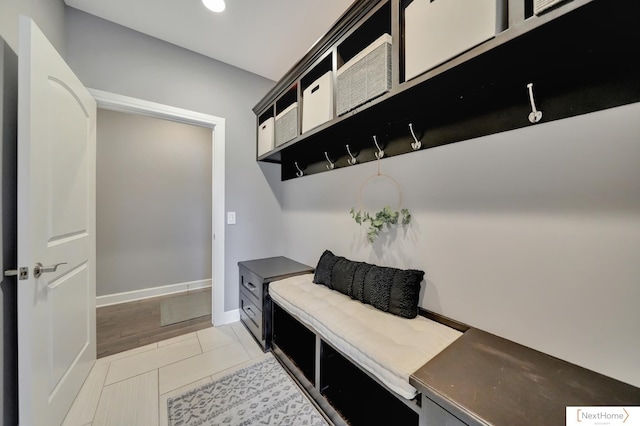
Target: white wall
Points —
{"points": [[112, 58], [153, 203], [532, 234]]}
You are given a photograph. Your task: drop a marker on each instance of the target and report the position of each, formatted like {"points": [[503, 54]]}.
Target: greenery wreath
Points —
{"points": [[385, 218]]}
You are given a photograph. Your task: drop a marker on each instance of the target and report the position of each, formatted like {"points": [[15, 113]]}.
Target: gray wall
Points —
{"points": [[153, 202], [49, 16], [109, 57], [532, 234]]}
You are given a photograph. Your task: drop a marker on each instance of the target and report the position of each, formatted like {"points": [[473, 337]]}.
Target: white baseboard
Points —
{"points": [[130, 296], [230, 317]]}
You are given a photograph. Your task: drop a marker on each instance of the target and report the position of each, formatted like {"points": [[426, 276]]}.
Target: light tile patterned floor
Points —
{"points": [[132, 387]]}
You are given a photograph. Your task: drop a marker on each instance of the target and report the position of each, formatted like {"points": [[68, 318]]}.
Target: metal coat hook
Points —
{"points": [[331, 164], [416, 145], [534, 115], [299, 173], [352, 160], [380, 152]]}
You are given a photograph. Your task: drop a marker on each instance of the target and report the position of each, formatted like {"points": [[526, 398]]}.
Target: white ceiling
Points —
{"points": [[265, 37]]}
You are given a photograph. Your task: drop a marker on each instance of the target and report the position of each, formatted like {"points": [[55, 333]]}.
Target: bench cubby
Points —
{"points": [[338, 385]]}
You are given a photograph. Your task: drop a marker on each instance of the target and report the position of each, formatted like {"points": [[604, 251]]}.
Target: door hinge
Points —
{"points": [[22, 273]]}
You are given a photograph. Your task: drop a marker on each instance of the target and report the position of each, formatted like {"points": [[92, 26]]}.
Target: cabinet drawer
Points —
{"points": [[251, 284], [251, 315]]}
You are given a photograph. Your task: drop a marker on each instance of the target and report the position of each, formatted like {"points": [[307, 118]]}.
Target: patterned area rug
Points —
{"points": [[260, 394]]}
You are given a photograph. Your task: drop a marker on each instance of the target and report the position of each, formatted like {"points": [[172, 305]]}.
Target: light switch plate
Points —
{"points": [[231, 218]]}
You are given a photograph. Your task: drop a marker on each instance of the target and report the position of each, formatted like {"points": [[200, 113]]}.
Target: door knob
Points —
{"points": [[39, 269]]}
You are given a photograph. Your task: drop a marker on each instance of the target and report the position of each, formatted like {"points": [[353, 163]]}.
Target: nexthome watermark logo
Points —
{"points": [[603, 416]]}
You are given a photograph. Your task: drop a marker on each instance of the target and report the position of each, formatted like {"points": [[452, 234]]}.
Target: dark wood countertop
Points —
{"points": [[272, 267], [485, 379]]}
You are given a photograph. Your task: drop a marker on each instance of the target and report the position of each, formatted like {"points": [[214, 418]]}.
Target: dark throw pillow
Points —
{"points": [[342, 276], [322, 274], [358, 280], [377, 287], [405, 293], [392, 290]]}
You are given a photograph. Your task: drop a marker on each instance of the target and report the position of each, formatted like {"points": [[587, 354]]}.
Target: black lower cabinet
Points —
{"points": [[356, 396]]}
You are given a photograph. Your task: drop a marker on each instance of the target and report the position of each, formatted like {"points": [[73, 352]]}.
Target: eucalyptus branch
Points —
{"points": [[384, 218]]}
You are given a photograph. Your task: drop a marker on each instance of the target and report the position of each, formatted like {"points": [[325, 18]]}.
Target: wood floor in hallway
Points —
{"points": [[130, 325]]}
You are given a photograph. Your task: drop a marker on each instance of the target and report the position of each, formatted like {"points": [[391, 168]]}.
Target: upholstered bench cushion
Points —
{"points": [[389, 347]]}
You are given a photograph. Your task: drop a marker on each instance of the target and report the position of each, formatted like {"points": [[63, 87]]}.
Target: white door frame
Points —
{"points": [[115, 102]]}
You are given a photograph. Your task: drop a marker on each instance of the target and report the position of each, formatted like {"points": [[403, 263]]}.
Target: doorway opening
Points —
{"points": [[113, 102]]}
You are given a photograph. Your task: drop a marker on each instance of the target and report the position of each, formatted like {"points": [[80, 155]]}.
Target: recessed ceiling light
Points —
{"points": [[214, 5]]}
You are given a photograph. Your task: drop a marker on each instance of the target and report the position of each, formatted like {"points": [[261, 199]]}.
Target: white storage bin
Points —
{"points": [[287, 124], [317, 102], [436, 31], [265, 136], [366, 76]]}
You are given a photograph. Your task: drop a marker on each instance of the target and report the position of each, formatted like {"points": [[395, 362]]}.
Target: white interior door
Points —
{"points": [[56, 224]]}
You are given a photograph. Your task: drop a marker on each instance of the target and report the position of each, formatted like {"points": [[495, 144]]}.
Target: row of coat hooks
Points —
{"points": [[534, 116], [353, 159]]}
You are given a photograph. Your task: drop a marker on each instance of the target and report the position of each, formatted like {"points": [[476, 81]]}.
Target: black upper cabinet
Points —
{"points": [[579, 56]]}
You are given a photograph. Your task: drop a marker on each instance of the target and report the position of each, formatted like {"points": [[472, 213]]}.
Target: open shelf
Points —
{"points": [[377, 24], [580, 57], [335, 383], [287, 99], [343, 385], [296, 341]]}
